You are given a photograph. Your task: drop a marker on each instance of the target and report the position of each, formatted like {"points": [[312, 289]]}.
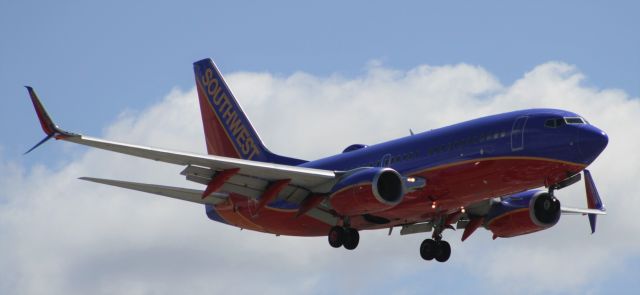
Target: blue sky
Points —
{"points": [[95, 63], [115, 55]]}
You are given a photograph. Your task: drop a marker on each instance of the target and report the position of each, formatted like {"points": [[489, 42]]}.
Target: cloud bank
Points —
{"points": [[59, 235]]}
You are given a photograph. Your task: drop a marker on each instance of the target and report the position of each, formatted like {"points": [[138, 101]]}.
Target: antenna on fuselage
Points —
{"points": [[411, 131]]}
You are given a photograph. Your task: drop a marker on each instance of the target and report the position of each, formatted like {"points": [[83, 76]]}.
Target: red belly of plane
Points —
{"points": [[513, 224], [356, 200], [449, 186]]}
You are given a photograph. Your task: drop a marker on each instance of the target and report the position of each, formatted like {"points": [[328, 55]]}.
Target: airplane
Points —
{"points": [[499, 172]]}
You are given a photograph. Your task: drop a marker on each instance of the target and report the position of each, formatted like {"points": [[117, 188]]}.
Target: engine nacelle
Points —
{"points": [[523, 213], [367, 190]]}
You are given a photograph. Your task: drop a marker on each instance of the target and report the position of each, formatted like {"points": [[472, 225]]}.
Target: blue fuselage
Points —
{"points": [[535, 133]]}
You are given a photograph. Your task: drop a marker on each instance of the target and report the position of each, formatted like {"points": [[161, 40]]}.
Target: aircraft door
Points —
{"points": [[517, 133], [385, 161]]}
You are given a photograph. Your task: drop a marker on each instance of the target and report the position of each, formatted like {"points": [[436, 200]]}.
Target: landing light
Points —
{"points": [[433, 205], [411, 179], [462, 210]]}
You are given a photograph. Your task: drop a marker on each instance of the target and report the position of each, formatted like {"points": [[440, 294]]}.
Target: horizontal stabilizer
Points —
{"points": [[593, 199], [185, 194], [595, 206], [567, 210]]}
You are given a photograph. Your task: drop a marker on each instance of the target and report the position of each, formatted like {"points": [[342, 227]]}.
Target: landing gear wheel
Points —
{"points": [[428, 249], [336, 236], [443, 251], [351, 238]]}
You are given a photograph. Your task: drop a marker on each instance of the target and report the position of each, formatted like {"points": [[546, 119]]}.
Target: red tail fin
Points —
{"points": [[227, 129]]}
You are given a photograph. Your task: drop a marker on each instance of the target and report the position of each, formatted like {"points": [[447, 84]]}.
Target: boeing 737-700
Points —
{"points": [[499, 172]]}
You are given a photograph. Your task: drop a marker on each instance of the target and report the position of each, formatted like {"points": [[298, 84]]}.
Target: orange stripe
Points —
{"points": [[281, 210], [582, 166]]}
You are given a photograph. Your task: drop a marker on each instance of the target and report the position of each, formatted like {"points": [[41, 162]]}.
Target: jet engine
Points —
{"points": [[367, 190], [523, 213]]}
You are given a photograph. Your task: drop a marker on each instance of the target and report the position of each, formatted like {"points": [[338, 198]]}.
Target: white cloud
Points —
{"points": [[60, 235]]}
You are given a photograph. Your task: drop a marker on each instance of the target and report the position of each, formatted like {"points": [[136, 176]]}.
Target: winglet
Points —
{"points": [[593, 199], [45, 120], [39, 143], [47, 124]]}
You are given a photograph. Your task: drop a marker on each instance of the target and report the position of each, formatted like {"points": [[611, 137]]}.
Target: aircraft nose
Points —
{"points": [[592, 142]]}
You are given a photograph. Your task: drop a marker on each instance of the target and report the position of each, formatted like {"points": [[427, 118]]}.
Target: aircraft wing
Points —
{"points": [[312, 179], [248, 178], [184, 194]]}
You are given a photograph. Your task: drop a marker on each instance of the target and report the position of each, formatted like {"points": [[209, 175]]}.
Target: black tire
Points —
{"points": [[443, 251], [336, 236], [351, 238], [428, 249]]}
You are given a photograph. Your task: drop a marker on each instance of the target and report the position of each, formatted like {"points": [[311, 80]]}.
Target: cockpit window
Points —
{"points": [[553, 123], [574, 120]]}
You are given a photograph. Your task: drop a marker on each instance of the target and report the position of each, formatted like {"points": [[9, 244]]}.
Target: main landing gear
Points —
{"points": [[440, 250], [344, 236], [436, 247]]}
